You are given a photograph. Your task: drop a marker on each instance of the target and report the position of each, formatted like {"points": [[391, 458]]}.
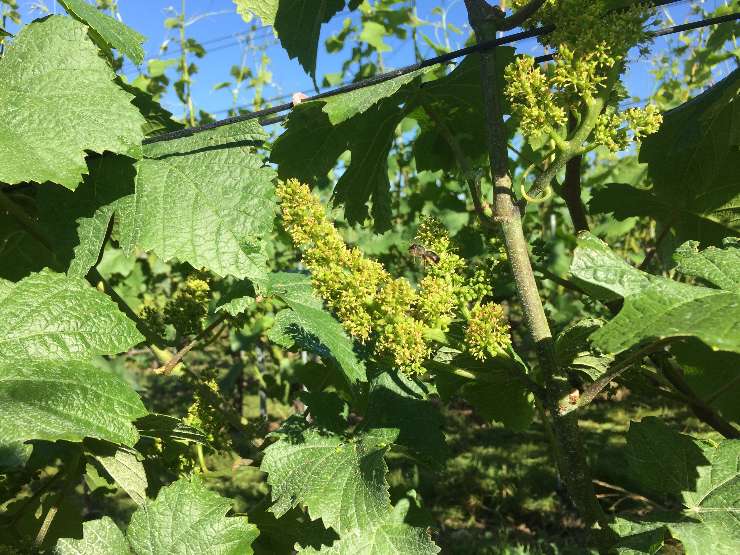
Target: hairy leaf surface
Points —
{"points": [[655, 308], [70, 400], [306, 319], [211, 206], [338, 480], [186, 518], [114, 33], [58, 100]]}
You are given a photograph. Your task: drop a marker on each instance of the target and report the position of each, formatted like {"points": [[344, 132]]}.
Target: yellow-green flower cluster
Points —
{"points": [[205, 414], [592, 40], [589, 25], [189, 306], [365, 298], [440, 288], [487, 333], [532, 98], [397, 320], [615, 130]]}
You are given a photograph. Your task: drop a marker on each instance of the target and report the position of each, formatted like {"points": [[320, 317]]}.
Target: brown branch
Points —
{"points": [[571, 193], [521, 15], [572, 462], [464, 162], [178, 356], [590, 393], [701, 409]]}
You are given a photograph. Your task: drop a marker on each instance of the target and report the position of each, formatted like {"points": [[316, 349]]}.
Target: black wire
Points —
{"points": [[387, 76]]}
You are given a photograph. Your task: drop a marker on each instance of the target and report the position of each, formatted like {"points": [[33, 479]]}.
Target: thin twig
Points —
{"points": [[590, 393], [464, 163], [177, 357]]}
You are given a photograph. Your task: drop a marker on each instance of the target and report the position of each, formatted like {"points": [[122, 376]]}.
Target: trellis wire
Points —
{"points": [[387, 76]]}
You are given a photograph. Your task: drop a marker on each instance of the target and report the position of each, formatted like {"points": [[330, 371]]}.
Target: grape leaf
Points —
{"points": [[692, 160], [713, 506], [306, 313], [166, 427], [341, 107], [706, 477], [98, 536], [210, 205], [112, 32], [712, 375], [70, 400], [185, 518], [655, 308], [340, 481], [188, 518], [719, 267], [296, 22], [573, 351], [50, 326], [57, 101], [390, 536], [662, 460], [400, 405], [123, 466], [50, 315], [499, 394], [73, 223], [625, 201]]}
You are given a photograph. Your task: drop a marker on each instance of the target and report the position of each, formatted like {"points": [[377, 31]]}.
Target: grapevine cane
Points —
{"points": [[571, 457]]}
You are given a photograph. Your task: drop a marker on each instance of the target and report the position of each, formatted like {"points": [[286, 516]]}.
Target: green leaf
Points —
{"points": [[713, 506], [163, 426], [185, 518], [307, 320], [341, 107], [625, 201], [123, 466], [712, 375], [296, 22], [706, 476], [188, 518], [400, 407], [660, 459], [498, 393], [57, 101], [719, 267], [52, 316], [98, 536], [655, 308], [50, 326], [112, 32], [456, 101], [573, 351], [339, 480], [639, 537], [692, 160], [204, 201], [390, 536], [70, 400]]}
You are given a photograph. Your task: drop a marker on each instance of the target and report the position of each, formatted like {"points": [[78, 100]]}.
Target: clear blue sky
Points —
{"points": [[219, 30]]}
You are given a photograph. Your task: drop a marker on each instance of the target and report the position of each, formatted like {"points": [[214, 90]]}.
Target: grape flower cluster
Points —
{"points": [[399, 321], [582, 85]]}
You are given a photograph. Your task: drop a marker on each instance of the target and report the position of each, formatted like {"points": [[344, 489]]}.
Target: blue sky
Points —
{"points": [[221, 25]]}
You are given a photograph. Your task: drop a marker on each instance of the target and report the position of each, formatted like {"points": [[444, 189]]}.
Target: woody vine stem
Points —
{"points": [[571, 459]]}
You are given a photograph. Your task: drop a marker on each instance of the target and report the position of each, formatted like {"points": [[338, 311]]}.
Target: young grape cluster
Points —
{"points": [[592, 43], [400, 321]]}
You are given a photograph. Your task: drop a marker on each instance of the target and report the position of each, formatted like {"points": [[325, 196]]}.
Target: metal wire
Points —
{"points": [[387, 76]]}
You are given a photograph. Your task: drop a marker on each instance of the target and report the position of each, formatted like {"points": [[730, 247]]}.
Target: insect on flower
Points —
{"points": [[425, 254]]}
